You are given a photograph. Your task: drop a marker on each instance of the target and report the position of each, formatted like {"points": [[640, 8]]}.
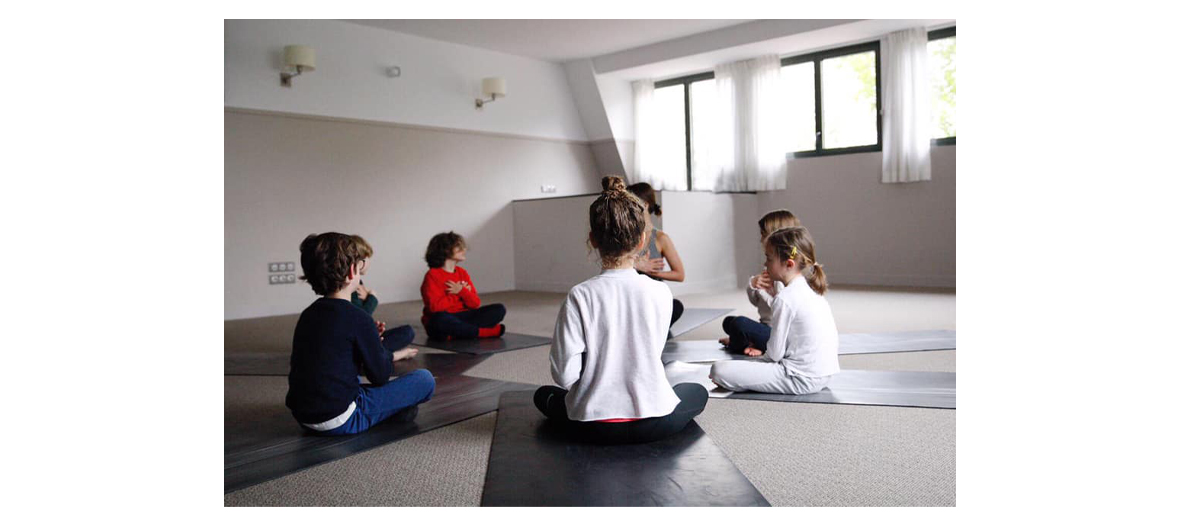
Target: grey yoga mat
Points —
{"points": [[708, 350], [849, 387], [533, 463], [885, 342], [693, 318]]}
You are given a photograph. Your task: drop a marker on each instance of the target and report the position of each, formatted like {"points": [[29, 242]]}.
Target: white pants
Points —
{"points": [[762, 376]]}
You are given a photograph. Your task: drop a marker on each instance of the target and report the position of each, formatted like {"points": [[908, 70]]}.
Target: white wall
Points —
{"points": [[287, 177], [550, 247], [437, 87], [712, 234], [715, 234], [867, 232]]}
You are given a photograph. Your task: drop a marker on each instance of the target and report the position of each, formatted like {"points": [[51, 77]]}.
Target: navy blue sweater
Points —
{"points": [[334, 343]]}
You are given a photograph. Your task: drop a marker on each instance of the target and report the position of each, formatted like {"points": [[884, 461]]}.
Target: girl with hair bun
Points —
{"points": [[605, 358], [801, 354], [661, 261]]}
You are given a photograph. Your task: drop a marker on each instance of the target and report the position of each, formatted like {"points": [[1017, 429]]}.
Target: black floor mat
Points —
{"points": [[272, 364], [263, 441], [483, 346], [532, 465]]}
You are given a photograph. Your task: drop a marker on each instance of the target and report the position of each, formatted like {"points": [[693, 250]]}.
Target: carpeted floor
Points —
{"points": [[796, 454]]}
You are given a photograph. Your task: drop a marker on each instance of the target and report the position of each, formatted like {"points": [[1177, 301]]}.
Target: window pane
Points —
{"points": [[712, 135], [669, 150], [942, 87], [800, 81], [850, 100]]}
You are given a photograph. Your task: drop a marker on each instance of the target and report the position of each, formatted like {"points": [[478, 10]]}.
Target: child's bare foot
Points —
{"points": [[724, 341], [753, 352], [405, 353]]}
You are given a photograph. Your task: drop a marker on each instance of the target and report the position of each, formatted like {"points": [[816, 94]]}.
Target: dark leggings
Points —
{"points": [[550, 400], [745, 332], [397, 338], [677, 310], [464, 325]]}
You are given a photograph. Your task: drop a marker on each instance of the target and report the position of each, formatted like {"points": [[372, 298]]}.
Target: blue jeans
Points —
{"points": [[377, 403], [397, 338], [744, 332], [466, 324]]}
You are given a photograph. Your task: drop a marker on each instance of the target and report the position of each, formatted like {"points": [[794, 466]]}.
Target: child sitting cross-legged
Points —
{"points": [[802, 350], [605, 358], [451, 306], [335, 342]]}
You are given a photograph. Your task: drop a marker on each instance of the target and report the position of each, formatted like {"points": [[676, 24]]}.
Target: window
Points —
{"points": [[800, 81], [834, 98], [669, 108], [941, 62], [673, 97], [843, 100]]}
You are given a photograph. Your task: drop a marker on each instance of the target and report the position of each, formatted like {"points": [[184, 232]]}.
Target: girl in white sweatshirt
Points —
{"points": [[742, 334], [801, 355], [605, 358]]}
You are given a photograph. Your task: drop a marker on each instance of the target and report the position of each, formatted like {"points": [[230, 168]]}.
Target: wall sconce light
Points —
{"points": [[297, 59], [492, 87]]}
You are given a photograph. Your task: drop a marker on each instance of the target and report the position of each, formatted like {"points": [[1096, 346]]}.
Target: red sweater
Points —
{"points": [[436, 298]]}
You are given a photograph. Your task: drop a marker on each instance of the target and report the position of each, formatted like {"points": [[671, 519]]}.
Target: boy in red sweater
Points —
{"points": [[452, 309]]}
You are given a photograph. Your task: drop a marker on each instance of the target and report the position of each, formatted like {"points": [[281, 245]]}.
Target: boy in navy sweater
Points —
{"points": [[336, 341]]}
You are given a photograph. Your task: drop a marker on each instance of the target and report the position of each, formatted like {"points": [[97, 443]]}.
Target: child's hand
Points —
{"points": [[362, 292], [454, 287], [380, 327], [763, 282], [466, 285]]}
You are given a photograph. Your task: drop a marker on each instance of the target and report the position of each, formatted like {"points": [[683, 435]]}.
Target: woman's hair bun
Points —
{"points": [[612, 183]]}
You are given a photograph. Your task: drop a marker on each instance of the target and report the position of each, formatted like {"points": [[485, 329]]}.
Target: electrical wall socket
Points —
{"points": [[280, 267], [548, 188], [282, 278]]}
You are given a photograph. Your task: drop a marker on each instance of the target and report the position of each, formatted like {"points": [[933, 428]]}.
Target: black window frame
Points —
{"points": [[815, 58], [687, 82], [931, 36]]}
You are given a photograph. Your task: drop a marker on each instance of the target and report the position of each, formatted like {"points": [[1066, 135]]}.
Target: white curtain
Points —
{"points": [[739, 128], [659, 158], [905, 139]]}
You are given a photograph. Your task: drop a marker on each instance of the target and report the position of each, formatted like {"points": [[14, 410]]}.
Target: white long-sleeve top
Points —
{"points": [[761, 300], [607, 344], [803, 333]]}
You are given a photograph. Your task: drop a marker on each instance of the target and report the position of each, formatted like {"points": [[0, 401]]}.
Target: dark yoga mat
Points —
{"points": [[886, 342], [849, 387], [271, 364], [492, 345], [532, 465], [261, 444], [694, 318]]}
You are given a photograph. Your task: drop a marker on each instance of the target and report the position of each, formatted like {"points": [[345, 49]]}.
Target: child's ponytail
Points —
{"points": [[816, 278], [795, 244]]}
